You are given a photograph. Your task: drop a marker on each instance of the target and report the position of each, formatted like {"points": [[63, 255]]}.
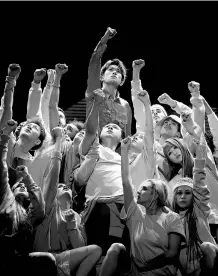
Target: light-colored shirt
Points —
{"points": [[149, 235]]}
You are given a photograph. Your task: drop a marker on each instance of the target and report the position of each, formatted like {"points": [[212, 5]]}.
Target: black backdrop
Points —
{"points": [[177, 40]]}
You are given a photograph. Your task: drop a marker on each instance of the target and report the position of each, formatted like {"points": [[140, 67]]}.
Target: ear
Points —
{"points": [[37, 142]]}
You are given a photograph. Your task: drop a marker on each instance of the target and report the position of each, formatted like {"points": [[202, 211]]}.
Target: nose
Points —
{"points": [[183, 195]]}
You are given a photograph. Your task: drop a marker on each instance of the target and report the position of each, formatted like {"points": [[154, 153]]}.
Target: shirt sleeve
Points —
{"points": [[175, 225], [213, 123]]}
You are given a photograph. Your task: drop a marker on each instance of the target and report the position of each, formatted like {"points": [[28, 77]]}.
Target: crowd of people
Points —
{"points": [[92, 198]]}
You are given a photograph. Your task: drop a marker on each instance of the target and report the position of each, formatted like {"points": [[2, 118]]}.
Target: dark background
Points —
{"points": [[177, 40]]}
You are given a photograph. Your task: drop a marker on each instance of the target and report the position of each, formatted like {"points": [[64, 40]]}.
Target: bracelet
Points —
{"points": [[56, 86]]}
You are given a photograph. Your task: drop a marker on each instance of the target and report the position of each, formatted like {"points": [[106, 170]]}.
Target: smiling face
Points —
{"points": [[111, 131], [184, 197], [145, 193], [175, 155], [31, 131], [169, 129], [137, 142], [20, 190], [112, 75], [157, 114], [63, 190]]}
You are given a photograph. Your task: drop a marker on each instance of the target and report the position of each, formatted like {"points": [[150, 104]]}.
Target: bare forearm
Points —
{"points": [[135, 74]]}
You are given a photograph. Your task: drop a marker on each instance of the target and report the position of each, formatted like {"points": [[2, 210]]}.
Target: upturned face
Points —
{"points": [[112, 75], [170, 128]]}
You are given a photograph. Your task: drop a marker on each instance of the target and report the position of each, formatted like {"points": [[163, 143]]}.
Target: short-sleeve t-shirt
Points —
{"points": [[149, 235]]}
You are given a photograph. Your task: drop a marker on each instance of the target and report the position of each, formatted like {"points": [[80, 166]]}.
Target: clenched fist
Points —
{"points": [[70, 215], [14, 70], [125, 144], [194, 87], [11, 125], [61, 69], [166, 99], [138, 64], [39, 75], [58, 132], [108, 35], [22, 171]]}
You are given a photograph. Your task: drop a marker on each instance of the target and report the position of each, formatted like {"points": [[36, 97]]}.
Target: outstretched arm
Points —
{"points": [[92, 123], [35, 93], [94, 69], [126, 179], [52, 177], [8, 97], [60, 69]]}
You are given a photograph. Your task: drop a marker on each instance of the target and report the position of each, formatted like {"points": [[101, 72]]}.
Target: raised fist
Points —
{"points": [[166, 99], [188, 122], [143, 96], [70, 215], [39, 75], [22, 171], [138, 64], [108, 35], [126, 143], [61, 69], [194, 87], [14, 70], [99, 96], [11, 125], [58, 132]]}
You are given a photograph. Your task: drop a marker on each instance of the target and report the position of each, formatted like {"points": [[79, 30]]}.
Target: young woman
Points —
{"points": [[180, 161], [22, 209], [61, 232], [191, 202], [155, 231]]}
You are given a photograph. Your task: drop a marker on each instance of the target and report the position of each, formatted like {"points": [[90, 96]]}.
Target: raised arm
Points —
{"points": [[92, 123], [46, 97], [94, 69], [37, 208], [6, 195], [126, 179], [60, 69], [138, 107], [35, 93], [52, 177], [8, 97], [200, 189], [197, 104]]}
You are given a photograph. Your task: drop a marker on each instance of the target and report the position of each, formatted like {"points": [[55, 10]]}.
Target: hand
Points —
{"points": [[11, 125], [51, 75], [194, 87], [125, 144], [22, 171], [138, 64], [61, 69], [188, 122], [166, 99], [58, 132], [99, 96], [143, 97], [70, 215], [108, 35], [14, 70], [39, 75]]}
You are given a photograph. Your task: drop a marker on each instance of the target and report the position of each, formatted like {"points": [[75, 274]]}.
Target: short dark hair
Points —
{"points": [[118, 63], [78, 124], [42, 135]]}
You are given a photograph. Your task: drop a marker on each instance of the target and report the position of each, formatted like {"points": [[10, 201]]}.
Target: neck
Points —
{"points": [[162, 140], [109, 143], [65, 204], [153, 210], [110, 89], [24, 146]]}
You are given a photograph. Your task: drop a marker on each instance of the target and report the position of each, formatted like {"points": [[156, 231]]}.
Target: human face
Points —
{"points": [[137, 142], [20, 190], [184, 197], [31, 131], [63, 190], [169, 129], [112, 75], [157, 114], [71, 130], [79, 137], [62, 119], [145, 193], [175, 155], [111, 131]]}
